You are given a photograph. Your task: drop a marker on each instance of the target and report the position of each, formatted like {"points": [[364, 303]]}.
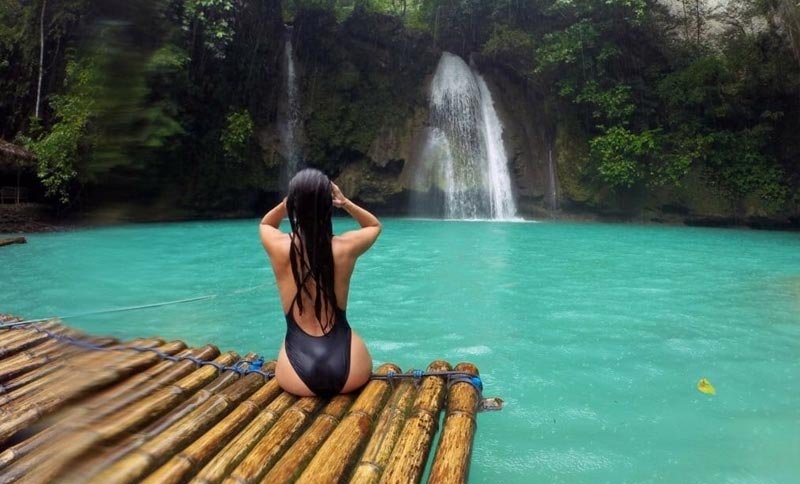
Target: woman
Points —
{"points": [[321, 355]]}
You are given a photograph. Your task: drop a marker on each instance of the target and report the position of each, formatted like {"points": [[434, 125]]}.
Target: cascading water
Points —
{"points": [[291, 121], [466, 137], [501, 196], [553, 194]]}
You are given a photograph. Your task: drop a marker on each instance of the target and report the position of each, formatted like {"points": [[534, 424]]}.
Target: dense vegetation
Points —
{"points": [[170, 100]]}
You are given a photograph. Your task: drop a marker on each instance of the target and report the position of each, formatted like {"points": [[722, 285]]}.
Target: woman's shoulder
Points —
{"points": [[342, 250], [275, 242]]}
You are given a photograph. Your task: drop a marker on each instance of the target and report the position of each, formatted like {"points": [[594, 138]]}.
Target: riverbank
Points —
{"points": [[37, 218], [28, 218]]}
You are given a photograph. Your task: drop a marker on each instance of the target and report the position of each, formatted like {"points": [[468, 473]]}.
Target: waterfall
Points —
{"points": [[470, 163], [501, 196], [553, 195], [290, 122]]}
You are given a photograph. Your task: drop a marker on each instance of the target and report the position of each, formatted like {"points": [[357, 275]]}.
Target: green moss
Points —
{"points": [[572, 153], [362, 75]]}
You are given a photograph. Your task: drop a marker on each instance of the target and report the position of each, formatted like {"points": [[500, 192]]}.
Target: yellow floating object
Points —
{"points": [[706, 387]]}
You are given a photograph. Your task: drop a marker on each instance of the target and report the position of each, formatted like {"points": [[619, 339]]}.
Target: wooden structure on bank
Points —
{"points": [[13, 240], [15, 158], [71, 413]]}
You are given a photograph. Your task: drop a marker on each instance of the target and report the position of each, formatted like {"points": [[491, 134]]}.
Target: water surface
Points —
{"points": [[595, 335]]}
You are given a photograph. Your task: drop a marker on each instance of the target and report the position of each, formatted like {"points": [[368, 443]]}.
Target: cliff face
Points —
{"points": [[364, 85], [363, 102]]}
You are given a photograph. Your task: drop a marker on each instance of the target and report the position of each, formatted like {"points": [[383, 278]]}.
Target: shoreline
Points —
{"points": [[35, 218]]}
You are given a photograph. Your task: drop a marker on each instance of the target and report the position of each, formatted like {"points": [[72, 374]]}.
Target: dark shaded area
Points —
{"points": [[167, 109]]}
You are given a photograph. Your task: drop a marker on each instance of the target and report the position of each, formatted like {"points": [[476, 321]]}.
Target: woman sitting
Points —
{"points": [[321, 355]]}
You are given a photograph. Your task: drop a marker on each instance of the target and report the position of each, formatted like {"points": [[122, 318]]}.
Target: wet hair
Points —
{"points": [[309, 206]]}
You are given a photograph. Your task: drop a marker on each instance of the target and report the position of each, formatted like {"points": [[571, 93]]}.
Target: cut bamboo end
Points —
{"points": [[451, 463]]}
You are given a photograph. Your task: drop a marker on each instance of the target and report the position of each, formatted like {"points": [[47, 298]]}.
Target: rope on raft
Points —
{"points": [[452, 377]]}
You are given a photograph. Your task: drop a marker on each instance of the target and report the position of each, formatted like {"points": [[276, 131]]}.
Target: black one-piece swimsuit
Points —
{"points": [[322, 362]]}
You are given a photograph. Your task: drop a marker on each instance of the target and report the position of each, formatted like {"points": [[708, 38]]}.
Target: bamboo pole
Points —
{"points": [[13, 335], [411, 451], [68, 352], [48, 400], [303, 450], [22, 342], [29, 385], [199, 398], [18, 382], [69, 367], [146, 383], [164, 445], [117, 424], [17, 331], [276, 441], [93, 370], [90, 468], [46, 353], [180, 467], [152, 407], [110, 401], [45, 378], [386, 434], [29, 359], [337, 455], [233, 453], [451, 462]]}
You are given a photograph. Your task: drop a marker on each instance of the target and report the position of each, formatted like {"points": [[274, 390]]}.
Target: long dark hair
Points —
{"points": [[310, 207]]}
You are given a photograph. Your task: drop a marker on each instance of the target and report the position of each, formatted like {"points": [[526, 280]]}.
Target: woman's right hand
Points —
{"points": [[339, 200]]}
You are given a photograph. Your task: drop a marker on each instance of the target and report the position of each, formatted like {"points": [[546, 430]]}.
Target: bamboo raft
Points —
{"points": [[123, 414]]}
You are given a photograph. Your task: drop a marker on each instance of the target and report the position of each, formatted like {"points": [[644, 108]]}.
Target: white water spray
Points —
{"points": [[473, 165], [291, 122]]}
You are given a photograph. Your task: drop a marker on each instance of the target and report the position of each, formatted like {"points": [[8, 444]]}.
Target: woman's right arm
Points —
{"points": [[269, 228], [359, 241]]}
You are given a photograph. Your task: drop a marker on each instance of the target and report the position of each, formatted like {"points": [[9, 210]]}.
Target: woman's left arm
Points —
{"points": [[270, 233]]}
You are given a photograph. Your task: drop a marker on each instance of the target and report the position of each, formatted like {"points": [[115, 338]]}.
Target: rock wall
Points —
{"points": [[365, 86]]}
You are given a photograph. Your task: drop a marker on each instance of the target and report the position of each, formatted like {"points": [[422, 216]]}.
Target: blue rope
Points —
{"points": [[452, 377]]}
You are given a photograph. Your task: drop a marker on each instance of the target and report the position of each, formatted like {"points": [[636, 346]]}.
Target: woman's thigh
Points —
{"points": [[360, 364]]}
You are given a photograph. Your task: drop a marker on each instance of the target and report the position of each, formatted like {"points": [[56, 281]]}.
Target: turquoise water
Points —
{"points": [[595, 335]]}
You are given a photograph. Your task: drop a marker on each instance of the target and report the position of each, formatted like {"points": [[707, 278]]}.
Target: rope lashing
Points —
{"points": [[162, 355], [255, 366], [452, 377]]}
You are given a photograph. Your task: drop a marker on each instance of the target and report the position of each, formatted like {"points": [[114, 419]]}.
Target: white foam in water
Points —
{"points": [[389, 345], [474, 350]]}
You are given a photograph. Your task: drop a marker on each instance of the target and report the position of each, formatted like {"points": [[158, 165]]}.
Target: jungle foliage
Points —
{"points": [[172, 96]]}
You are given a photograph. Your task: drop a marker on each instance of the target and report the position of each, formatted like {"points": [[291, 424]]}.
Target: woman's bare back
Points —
{"points": [[360, 362], [327, 357]]}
